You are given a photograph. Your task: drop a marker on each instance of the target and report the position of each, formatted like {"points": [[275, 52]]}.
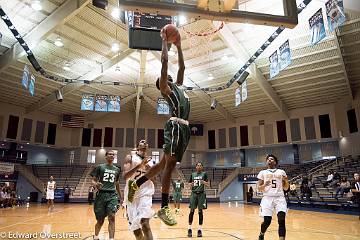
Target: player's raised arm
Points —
{"points": [[180, 74], [164, 87]]}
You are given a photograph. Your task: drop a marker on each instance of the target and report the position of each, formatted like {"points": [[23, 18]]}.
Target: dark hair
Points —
{"points": [[273, 156], [200, 163], [107, 152], [170, 79]]}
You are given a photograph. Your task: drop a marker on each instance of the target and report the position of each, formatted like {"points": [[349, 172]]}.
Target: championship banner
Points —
{"points": [[6, 168], [32, 85], [317, 27], [101, 103], [244, 92], [285, 55], [237, 97], [196, 129], [274, 64], [162, 107], [335, 13], [87, 102], [25, 77], [114, 104]]}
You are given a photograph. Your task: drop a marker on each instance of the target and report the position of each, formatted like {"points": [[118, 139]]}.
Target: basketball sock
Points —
{"points": [[164, 199], [141, 180], [96, 237], [200, 227], [189, 227]]}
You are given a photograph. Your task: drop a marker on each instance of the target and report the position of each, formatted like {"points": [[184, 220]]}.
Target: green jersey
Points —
{"points": [[178, 186], [197, 179], [179, 102], [108, 175]]}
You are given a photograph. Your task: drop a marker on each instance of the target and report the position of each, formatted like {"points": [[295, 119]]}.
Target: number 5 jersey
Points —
{"points": [[275, 176]]}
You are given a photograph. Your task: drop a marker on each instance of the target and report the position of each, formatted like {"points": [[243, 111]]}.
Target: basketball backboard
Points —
{"points": [[261, 12]]}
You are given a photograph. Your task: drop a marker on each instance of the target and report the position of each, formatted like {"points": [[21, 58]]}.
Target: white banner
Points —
{"points": [[237, 97], [6, 168], [244, 91]]}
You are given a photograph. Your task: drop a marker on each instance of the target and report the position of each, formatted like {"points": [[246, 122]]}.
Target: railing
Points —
{"points": [[27, 173], [87, 175], [223, 184]]}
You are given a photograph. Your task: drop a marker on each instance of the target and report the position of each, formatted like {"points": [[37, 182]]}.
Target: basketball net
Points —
{"points": [[199, 34]]}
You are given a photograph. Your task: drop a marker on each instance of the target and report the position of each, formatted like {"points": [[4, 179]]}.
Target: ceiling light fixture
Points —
{"points": [[67, 67], [36, 5], [115, 47], [58, 42], [210, 77], [115, 13]]}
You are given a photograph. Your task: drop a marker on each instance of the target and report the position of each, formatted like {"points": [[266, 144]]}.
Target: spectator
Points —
{"points": [[293, 189], [2, 197], [329, 178], [251, 194], [355, 189], [67, 192], [343, 188], [91, 194], [336, 180], [305, 191]]}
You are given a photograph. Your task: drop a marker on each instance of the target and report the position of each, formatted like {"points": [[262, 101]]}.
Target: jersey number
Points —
{"points": [[273, 183], [138, 174], [197, 183], [107, 176]]}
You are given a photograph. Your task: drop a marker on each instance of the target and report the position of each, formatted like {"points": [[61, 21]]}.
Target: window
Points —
{"points": [[115, 155], [91, 156], [72, 156]]}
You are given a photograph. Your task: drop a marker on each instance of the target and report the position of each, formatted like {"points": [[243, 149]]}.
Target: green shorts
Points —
{"points": [[198, 200], [176, 138], [106, 203], [177, 196]]}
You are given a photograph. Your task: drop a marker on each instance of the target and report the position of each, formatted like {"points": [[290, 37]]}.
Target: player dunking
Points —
{"points": [[176, 131], [106, 180], [139, 211], [272, 182]]}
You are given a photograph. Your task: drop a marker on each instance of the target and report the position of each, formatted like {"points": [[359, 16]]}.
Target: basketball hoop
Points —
{"points": [[199, 35]]}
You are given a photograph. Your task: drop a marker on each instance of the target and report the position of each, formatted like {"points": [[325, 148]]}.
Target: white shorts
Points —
{"points": [[140, 208], [50, 195], [268, 204]]}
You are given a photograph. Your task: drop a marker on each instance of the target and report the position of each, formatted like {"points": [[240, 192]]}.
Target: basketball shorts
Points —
{"points": [[176, 138], [269, 204], [198, 200], [106, 203], [177, 196], [50, 195], [140, 208]]}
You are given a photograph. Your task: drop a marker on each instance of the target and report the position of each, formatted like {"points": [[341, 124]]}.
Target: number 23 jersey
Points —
{"points": [[108, 175], [275, 189]]}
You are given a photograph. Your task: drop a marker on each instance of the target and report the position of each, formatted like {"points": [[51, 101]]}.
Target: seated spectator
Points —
{"points": [[336, 180], [355, 189], [2, 197], [344, 187], [305, 191], [293, 189], [329, 178]]}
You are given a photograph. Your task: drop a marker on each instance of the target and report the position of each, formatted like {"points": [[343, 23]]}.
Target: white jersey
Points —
{"points": [[50, 186], [147, 188], [275, 176]]}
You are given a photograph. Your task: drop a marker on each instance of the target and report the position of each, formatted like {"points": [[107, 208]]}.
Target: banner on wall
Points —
{"points": [[25, 77], [285, 55], [335, 13], [162, 107], [101, 103], [114, 104], [237, 97], [32, 85], [274, 64], [7, 168], [87, 102], [196, 129], [244, 92], [317, 27]]}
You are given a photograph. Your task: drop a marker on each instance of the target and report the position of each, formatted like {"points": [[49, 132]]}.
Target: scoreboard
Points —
{"points": [[148, 20]]}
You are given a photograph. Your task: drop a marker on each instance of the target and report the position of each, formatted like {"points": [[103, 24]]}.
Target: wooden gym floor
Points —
{"points": [[221, 221]]}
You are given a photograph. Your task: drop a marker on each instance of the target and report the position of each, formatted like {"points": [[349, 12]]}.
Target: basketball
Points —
{"points": [[172, 33]]}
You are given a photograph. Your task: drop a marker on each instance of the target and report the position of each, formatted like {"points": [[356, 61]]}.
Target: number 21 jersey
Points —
{"points": [[108, 175], [275, 189]]}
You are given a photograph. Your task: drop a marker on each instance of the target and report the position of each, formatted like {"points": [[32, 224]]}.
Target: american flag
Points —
{"points": [[72, 121]]}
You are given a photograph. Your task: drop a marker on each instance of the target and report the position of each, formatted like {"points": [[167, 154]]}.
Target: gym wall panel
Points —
{"points": [[325, 126], [39, 132], [97, 137], [13, 125], [108, 138], [232, 137], [211, 139], [119, 137], [129, 137], [1, 125], [309, 128], [256, 135], [75, 137], [160, 142], [151, 138], [269, 134], [352, 121], [244, 136], [222, 138], [86, 137], [140, 134], [295, 129], [51, 136], [281, 131], [26, 129]]}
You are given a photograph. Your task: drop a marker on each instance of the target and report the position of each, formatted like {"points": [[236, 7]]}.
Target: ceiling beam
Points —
{"points": [[240, 52], [93, 75], [339, 52], [206, 98], [140, 82], [63, 13]]}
